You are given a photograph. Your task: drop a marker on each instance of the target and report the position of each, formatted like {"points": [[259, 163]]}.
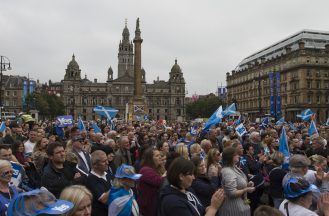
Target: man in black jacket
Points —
{"points": [[58, 174]]}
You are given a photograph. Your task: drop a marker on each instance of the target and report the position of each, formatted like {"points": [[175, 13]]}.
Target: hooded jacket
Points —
{"points": [[174, 202]]}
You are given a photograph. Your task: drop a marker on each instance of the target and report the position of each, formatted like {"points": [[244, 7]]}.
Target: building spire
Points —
{"points": [[126, 21], [137, 31]]}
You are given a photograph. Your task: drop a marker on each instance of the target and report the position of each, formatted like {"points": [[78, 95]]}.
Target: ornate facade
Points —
{"points": [[165, 99], [303, 63]]}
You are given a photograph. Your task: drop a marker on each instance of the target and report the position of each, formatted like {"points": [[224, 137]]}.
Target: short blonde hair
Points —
{"points": [[194, 148], [75, 194], [4, 163]]}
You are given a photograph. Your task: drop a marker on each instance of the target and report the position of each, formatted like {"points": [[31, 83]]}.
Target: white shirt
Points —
{"points": [[295, 210], [103, 176], [82, 155], [28, 147]]}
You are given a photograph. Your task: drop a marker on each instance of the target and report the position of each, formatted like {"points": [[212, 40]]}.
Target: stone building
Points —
{"points": [[165, 99], [302, 61]]}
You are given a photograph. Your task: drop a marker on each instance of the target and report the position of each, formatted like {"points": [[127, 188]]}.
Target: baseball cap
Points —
{"points": [[38, 202], [296, 187], [126, 171]]}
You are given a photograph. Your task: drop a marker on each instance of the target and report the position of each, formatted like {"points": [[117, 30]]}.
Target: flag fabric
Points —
{"points": [[292, 127], [59, 131], [194, 130], [306, 115], [96, 128], [64, 121], [280, 122], [264, 123], [238, 121], [107, 112], [3, 126], [120, 202], [229, 110], [327, 123], [312, 130], [215, 118], [240, 130], [81, 125], [284, 148]]}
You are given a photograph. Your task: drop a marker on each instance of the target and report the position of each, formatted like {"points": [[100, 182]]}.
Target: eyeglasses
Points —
{"points": [[7, 173]]}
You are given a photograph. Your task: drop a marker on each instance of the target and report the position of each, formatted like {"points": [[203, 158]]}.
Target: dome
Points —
{"points": [[175, 68], [73, 63]]}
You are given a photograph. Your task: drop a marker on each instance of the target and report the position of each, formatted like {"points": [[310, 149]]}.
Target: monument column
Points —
{"points": [[138, 63], [137, 106]]}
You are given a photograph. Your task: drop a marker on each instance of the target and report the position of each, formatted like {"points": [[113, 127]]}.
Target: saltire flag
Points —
{"points": [[215, 118], [240, 130], [306, 115], [312, 130], [292, 126], [96, 128], [327, 123], [264, 123], [81, 125], [238, 121], [194, 130], [284, 148], [107, 112], [229, 110], [280, 121], [120, 202], [3, 126]]}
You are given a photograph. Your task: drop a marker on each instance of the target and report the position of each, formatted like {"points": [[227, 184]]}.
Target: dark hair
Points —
{"points": [[196, 162], [264, 210], [15, 146], [170, 158], [227, 156], [179, 166], [246, 147], [51, 147], [74, 129], [5, 146], [147, 159]]}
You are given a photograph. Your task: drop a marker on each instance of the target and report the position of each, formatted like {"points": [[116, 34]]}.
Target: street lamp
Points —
{"points": [[4, 65]]}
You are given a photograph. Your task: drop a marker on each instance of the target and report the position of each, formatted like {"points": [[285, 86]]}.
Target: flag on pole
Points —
{"points": [[264, 123], [81, 125], [215, 118], [107, 112], [312, 130], [96, 128], [306, 115], [280, 122], [327, 123], [3, 126], [284, 148], [229, 110]]}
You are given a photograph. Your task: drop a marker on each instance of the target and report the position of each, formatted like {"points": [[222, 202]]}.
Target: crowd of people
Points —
{"points": [[147, 168]]}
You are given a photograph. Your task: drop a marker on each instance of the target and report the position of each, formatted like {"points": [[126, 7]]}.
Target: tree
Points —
{"points": [[49, 105], [204, 107]]}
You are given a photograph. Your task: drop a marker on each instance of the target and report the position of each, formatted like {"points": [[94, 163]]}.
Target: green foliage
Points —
{"points": [[204, 107], [49, 105]]}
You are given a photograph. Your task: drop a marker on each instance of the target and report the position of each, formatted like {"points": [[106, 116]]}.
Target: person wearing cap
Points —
{"points": [[83, 157], [298, 197], [121, 199], [38, 202]]}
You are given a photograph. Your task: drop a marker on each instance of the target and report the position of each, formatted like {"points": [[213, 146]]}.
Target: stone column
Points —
{"points": [[138, 63]]}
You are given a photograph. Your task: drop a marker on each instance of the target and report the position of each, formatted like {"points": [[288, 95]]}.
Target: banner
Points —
{"points": [[272, 104], [240, 130], [64, 121], [278, 95], [24, 94]]}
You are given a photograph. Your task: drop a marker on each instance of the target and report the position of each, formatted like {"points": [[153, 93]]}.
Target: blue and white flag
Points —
{"points": [[280, 122], [306, 115], [284, 148], [3, 126], [120, 202], [292, 126], [327, 123], [229, 110], [215, 118], [194, 130], [96, 128], [107, 112], [312, 130], [238, 121], [64, 121], [81, 125], [240, 130], [264, 123]]}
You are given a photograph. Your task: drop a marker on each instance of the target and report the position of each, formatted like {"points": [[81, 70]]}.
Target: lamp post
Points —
{"points": [[4, 65]]}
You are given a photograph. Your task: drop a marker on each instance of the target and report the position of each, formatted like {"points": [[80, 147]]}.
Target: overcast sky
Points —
{"points": [[208, 38]]}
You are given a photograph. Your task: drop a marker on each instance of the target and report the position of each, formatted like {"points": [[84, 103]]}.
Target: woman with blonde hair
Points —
{"points": [[195, 150], [318, 171], [213, 166], [182, 150], [81, 198], [121, 198]]}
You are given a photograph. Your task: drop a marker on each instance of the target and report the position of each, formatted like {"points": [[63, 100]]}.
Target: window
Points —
{"points": [[158, 110], [14, 93], [296, 100], [309, 73], [318, 99], [309, 99], [7, 93], [317, 73], [309, 84], [327, 99], [318, 84], [150, 110]]}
